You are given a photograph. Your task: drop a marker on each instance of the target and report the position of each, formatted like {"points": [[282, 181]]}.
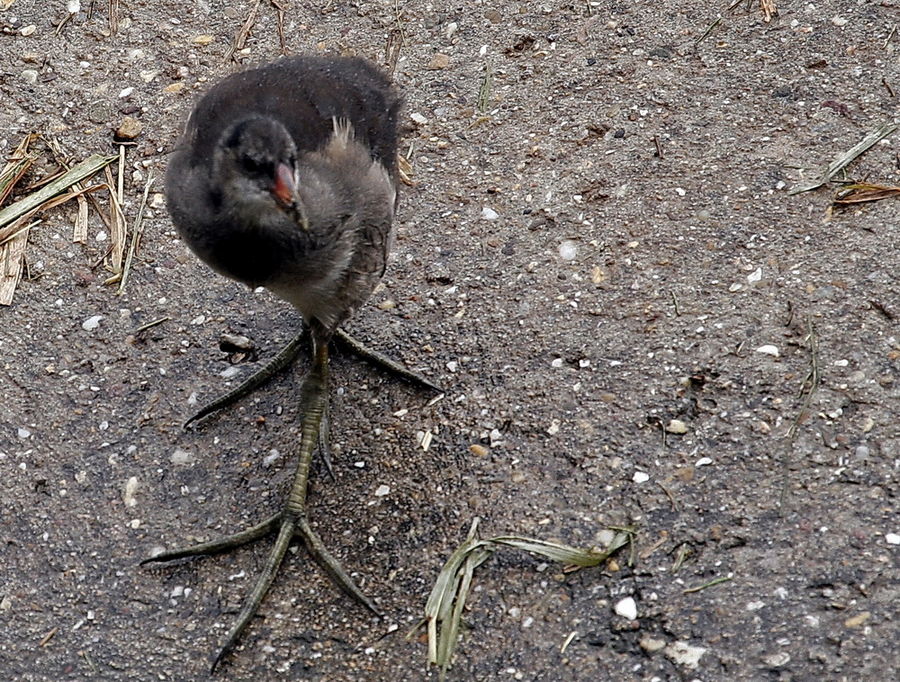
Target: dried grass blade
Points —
{"points": [[117, 226], [861, 192], [405, 171], [79, 229], [12, 256], [136, 232], [450, 628], [554, 551], [849, 156], [444, 609], [17, 165], [36, 200], [446, 577]]}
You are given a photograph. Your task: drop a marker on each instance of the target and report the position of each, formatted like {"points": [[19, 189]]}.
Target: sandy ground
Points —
{"points": [[600, 242]]}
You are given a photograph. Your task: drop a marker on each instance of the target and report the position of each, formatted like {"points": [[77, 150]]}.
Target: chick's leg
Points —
{"points": [[292, 520]]}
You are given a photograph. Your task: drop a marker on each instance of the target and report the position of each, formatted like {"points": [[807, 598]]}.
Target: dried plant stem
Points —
{"points": [[136, 232], [35, 201], [808, 390], [848, 157]]}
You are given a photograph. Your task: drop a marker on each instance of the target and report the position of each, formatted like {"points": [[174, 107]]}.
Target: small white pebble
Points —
{"points": [[640, 477], [626, 608], [703, 461], [181, 457], [488, 213], [382, 490], [269, 459], [418, 118], [892, 538], [91, 323], [768, 349], [568, 250], [128, 497], [23, 432]]}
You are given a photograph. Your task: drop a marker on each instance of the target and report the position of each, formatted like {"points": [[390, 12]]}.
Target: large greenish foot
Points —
{"points": [[289, 353], [292, 520]]}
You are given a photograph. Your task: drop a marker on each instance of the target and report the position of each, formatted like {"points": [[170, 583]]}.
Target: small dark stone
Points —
{"points": [[591, 61], [662, 52], [619, 134], [782, 91]]}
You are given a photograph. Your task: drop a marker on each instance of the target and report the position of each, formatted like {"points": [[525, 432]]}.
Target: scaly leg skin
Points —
{"points": [[289, 353], [284, 358], [383, 361], [292, 520]]}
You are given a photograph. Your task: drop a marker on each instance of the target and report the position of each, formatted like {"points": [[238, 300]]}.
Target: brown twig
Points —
{"points": [[113, 17], [709, 29], [150, 325], [280, 10], [135, 237], [240, 38], [48, 636], [807, 391]]}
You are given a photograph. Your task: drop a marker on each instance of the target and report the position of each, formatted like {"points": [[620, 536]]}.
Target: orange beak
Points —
{"points": [[285, 186]]}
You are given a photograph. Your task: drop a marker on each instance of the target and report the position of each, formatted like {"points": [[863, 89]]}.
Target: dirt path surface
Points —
{"points": [[600, 241]]}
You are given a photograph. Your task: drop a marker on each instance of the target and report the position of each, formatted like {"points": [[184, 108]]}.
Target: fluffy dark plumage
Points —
{"points": [[285, 178]]}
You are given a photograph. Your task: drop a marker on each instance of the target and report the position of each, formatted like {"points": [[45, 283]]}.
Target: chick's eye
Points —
{"points": [[251, 165]]}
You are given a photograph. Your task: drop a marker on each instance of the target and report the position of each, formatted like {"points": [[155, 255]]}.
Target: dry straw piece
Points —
{"points": [[444, 609], [15, 219]]}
